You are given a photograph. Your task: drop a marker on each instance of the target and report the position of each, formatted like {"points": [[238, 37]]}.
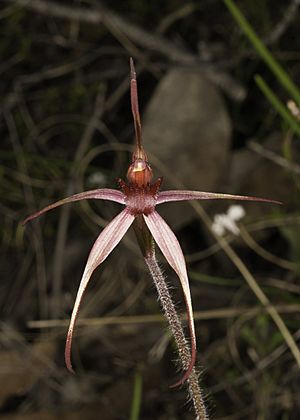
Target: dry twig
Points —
{"points": [[141, 37]]}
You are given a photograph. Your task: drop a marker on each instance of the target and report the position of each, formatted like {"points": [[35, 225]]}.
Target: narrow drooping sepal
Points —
{"points": [[99, 194], [184, 195], [105, 243], [170, 247]]}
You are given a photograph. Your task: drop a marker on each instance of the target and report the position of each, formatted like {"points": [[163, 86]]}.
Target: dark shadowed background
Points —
{"points": [[66, 126]]}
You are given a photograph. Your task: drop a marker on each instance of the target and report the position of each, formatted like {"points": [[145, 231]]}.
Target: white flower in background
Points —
{"points": [[227, 221], [294, 109], [236, 212], [97, 179]]}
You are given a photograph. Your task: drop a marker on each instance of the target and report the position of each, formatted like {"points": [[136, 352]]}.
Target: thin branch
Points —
{"points": [[147, 40], [222, 313], [262, 364], [58, 263], [281, 27], [41, 277], [254, 286], [274, 259], [273, 157]]}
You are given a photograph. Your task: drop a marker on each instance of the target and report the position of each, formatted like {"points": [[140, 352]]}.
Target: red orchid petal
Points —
{"points": [[105, 243], [170, 247], [174, 195], [100, 194]]}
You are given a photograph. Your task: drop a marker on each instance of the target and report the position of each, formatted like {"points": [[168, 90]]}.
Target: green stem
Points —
{"points": [[263, 51], [277, 104], [137, 397]]}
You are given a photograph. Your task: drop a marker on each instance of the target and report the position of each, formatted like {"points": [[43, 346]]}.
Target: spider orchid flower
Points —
{"points": [[140, 197]]}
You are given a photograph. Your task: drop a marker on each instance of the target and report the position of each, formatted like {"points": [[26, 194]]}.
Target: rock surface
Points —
{"points": [[186, 126]]}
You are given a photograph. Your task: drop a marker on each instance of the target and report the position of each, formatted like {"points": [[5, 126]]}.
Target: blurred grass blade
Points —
{"points": [[277, 104], [265, 54], [136, 397], [214, 280]]}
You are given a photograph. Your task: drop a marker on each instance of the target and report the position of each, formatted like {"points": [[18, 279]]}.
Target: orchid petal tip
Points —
{"points": [[26, 220], [71, 370], [182, 380], [132, 69]]}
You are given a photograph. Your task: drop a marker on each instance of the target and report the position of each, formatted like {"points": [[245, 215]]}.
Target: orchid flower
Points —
{"points": [[140, 197]]}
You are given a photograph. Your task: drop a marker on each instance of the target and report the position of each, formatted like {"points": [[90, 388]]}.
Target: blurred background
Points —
{"points": [[220, 112]]}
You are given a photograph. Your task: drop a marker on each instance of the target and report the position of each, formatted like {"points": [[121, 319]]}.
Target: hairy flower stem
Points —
{"points": [[177, 330]]}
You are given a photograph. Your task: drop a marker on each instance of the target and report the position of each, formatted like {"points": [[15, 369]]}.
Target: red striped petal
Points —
{"points": [[170, 247], [105, 243], [174, 195], [100, 194]]}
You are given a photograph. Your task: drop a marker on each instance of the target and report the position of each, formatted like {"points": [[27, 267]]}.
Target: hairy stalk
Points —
{"points": [[177, 330]]}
